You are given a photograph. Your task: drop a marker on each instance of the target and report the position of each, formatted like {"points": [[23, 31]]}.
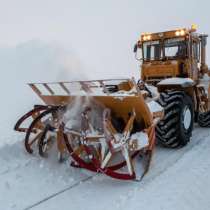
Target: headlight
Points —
{"points": [[177, 33], [144, 38], [180, 32], [147, 37]]}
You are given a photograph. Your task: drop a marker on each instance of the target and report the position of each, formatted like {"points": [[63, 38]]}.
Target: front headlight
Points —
{"points": [[147, 37], [180, 32]]}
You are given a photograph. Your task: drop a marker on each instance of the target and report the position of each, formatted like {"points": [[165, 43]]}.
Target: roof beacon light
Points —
{"points": [[194, 27]]}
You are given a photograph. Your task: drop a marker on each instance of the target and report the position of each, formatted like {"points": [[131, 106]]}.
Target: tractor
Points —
{"points": [[175, 63]]}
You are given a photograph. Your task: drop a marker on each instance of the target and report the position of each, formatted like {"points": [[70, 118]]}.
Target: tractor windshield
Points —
{"points": [[174, 48], [167, 49], [152, 50]]}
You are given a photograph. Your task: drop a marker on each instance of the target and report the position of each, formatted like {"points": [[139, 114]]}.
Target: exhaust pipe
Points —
{"points": [[204, 67]]}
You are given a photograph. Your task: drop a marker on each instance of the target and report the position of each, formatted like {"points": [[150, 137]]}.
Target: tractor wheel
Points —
{"points": [[175, 129], [204, 119]]}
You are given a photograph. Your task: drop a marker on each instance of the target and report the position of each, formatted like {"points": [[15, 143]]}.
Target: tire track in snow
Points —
{"points": [[186, 149], [58, 193], [146, 181], [182, 186], [196, 140]]}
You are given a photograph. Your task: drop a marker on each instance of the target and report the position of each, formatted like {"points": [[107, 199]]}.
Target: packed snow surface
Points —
{"points": [[178, 179]]}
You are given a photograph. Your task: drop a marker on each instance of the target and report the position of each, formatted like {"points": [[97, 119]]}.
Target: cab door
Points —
{"points": [[195, 58]]}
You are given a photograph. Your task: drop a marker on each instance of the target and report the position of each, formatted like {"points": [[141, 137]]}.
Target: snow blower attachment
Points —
{"points": [[106, 126]]}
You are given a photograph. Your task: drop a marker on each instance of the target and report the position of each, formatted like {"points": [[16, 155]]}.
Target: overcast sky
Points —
{"points": [[101, 33]]}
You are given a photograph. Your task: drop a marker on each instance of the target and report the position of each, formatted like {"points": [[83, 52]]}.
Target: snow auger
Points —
{"points": [[106, 126], [175, 62], [40, 126]]}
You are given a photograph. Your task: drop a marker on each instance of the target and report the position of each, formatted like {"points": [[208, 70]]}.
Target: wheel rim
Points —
{"points": [[187, 118]]}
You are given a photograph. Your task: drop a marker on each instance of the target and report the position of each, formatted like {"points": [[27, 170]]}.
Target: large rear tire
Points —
{"points": [[175, 129], [204, 119]]}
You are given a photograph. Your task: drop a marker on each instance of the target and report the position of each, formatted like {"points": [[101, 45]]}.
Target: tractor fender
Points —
{"points": [[175, 83], [186, 85]]}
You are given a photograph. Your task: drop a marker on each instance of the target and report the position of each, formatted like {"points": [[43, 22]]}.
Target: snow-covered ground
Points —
{"points": [[178, 179], [98, 37]]}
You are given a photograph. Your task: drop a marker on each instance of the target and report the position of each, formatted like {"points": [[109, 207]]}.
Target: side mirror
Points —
{"points": [[135, 48], [138, 54]]}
